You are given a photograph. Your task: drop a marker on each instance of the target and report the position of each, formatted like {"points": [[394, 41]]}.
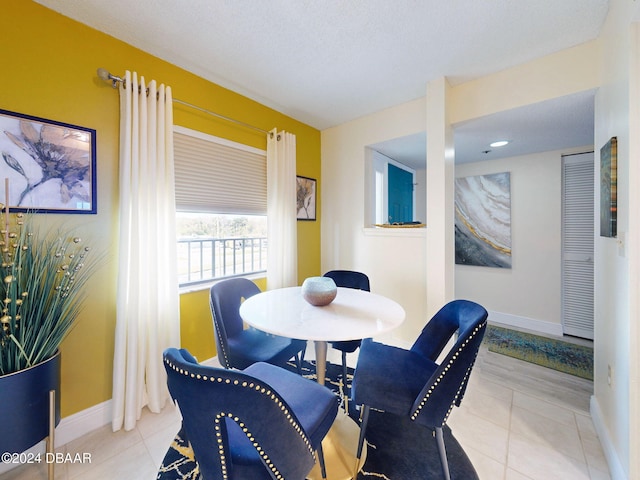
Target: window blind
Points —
{"points": [[215, 175]]}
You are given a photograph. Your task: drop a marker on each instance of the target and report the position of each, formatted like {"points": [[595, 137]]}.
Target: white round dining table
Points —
{"points": [[353, 314]]}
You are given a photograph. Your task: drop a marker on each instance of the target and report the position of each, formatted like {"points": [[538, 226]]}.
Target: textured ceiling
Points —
{"points": [[325, 62]]}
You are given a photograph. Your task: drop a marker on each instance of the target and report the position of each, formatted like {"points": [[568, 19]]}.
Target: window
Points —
{"points": [[221, 190], [212, 246]]}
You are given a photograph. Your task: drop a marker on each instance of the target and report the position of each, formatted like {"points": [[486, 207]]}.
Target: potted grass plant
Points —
{"points": [[42, 275]]}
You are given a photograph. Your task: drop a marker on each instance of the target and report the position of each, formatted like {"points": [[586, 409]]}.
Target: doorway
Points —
{"points": [[400, 193], [577, 244]]}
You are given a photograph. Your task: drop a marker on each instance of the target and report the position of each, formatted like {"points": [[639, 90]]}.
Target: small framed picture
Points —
{"points": [[306, 198], [46, 166], [609, 188]]}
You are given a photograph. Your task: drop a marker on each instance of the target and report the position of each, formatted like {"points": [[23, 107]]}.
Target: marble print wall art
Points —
{"points": [[483, 220]]}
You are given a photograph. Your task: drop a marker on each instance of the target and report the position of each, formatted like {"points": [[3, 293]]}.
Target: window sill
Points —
{"points": [[395, 232], [207, 285]]}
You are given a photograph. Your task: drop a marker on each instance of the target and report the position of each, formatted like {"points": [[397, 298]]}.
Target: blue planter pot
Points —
{"points": [[24, 400]]}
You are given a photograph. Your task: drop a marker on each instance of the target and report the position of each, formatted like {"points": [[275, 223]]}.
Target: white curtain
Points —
{"points": [[147, 316], [282, 260]]}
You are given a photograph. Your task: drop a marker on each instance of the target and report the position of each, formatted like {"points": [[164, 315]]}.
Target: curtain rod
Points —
{"points": [[105, 75], [228, 119]]}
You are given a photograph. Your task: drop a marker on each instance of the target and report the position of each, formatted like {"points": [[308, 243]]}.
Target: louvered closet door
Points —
{"points": [[577, 244]]}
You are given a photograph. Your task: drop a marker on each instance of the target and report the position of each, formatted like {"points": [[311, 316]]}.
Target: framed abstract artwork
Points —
{"points": [[483, 220], [46, 166], [306, 198], [609, 188]]}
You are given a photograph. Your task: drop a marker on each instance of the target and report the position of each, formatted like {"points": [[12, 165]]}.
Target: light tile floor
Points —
{"points": [[518, 421]]}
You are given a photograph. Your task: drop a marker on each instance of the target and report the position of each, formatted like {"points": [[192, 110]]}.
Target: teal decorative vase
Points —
{"points": [[319, 291]]}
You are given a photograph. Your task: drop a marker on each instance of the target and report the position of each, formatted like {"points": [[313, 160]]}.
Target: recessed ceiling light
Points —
{"points": [[500, 143]]}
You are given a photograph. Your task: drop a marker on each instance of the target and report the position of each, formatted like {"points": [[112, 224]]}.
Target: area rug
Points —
{"points": [[551, 353], [397, 449]]}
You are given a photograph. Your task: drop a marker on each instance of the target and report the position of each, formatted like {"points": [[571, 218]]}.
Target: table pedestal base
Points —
{"points": [[339, 448]]}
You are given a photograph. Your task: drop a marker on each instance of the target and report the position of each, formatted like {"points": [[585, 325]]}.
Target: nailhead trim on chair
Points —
{"points": [[227, 361], [249, 435], [415, 414], [261, 452]]}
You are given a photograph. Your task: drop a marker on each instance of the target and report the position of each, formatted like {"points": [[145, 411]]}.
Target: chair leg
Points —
{"points": [[363, 429], [364, 419], [443, 453], [344, 381], [298, 361], [320, 456]]}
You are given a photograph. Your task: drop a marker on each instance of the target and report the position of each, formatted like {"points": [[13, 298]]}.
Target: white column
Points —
{"points": [[440, 196]]}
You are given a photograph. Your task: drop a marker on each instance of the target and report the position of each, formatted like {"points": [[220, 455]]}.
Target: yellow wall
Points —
{"points": [[49, 65]]}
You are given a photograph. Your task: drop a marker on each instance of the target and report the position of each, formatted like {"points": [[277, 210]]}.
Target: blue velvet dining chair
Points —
{"points": [[411, 383], [237, 346], [263, 422], [358, 281]]}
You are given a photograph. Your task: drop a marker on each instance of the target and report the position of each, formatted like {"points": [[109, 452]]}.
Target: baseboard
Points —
{"points": [[615, 467], [79, 424], [498, 319], [70, 428], [524, 323]]}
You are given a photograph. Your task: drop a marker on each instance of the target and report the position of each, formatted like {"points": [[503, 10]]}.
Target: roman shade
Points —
{"points": [[215, 175]]}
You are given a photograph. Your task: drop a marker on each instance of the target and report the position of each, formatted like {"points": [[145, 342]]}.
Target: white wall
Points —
{"points": [[398, 263], [632, 249], [394, 260], [421, 195], [530, 291], [616, 338]]}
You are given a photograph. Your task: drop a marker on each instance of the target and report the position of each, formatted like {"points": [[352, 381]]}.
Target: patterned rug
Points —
{"points": [[551, 353], [398, 449]]}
